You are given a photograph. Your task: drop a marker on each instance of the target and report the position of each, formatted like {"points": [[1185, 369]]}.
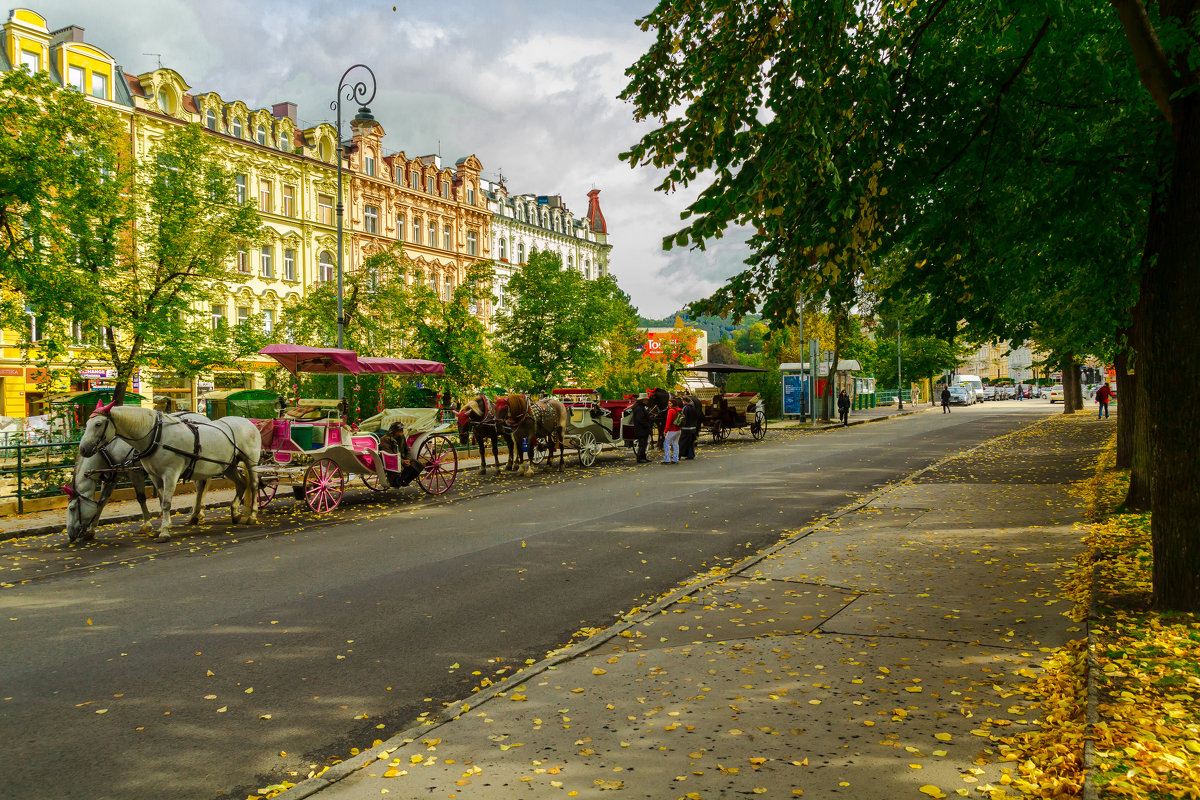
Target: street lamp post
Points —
{"points": [[355, 92], [899, 373]]}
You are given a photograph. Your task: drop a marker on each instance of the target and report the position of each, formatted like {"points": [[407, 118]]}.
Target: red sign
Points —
{"points": [[656, 342], [10, 372]]}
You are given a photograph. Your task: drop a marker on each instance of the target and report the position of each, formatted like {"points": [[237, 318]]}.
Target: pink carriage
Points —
{"points": [[311, 449]]}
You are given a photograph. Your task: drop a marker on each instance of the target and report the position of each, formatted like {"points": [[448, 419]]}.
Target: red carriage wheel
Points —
{"points": [[267, 486], [324, 484], [372, 481], [438, 455]]}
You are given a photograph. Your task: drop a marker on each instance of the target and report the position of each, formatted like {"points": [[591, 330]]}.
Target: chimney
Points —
{"points": [[594, 214], [281, 110], [71, 33]]}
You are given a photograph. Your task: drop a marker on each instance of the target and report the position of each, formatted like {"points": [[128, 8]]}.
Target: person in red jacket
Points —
{"points": [[1103, 395]]}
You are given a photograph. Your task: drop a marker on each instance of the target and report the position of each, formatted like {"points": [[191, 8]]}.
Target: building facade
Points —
{"points": [[1000, 360], [436, 214], [525, 224]]}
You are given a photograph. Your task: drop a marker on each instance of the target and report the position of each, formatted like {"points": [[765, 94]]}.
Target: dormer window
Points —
{"points": [[415, 182], [100, 85], [31, 61], [470, 195], [369, 164], [283, 142], [237, 127], [164, 101], [75, 78], [261, 135], [210, 120]]}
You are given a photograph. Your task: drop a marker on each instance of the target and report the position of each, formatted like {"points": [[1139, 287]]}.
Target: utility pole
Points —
{"points": [[899, 372]]}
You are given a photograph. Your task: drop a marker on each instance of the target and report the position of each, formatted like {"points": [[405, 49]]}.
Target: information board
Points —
{"points": [[795, 394]]}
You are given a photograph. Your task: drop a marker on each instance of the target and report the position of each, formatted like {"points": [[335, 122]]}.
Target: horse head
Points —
{"points": [[98, 430]]}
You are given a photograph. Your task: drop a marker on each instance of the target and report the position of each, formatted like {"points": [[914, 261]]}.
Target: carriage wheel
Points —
{"points": [[758, 428], [267, 486], [440, 458], [588, 448], [719, 432], [372, 481], [538, 454], [324, 484]]}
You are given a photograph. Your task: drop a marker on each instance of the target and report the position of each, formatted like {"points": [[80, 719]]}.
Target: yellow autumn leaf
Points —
{"points": [[932, 791]]}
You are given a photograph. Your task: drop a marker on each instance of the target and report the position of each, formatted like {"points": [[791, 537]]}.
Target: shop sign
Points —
{"points": [[10, 372], [97, 374]]}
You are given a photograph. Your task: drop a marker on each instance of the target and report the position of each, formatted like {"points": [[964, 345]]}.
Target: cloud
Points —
{"points": [[530, 88]]}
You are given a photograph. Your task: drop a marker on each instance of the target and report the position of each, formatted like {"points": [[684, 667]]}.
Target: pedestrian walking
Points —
{"points": [[689, 427], [844, 408], [1020, 392], [945, 399], [671, 433], [641, 426], [1103, 395]]}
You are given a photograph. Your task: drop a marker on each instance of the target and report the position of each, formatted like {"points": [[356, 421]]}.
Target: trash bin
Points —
{"points": [[302, 435]]}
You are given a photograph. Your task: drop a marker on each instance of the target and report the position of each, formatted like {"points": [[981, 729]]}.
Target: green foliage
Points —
{"points": [[557, 323], [716, 327]]}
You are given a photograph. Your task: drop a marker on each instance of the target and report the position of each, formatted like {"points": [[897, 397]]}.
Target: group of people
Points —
{"points": [[681, 429]]}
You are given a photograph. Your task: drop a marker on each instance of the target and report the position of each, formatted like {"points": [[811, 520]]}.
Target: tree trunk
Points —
{"points": [[1070, 375], [1172, 364], [1141, 469], [1128, 400]]}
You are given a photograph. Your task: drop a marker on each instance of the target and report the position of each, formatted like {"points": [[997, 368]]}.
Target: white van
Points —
{"points": [[974, 383]]}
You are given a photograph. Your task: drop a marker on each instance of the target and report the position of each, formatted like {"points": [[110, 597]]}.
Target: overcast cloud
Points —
{"points": [[528, 87]]}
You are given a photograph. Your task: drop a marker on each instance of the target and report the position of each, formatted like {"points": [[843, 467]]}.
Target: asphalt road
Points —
{"points": [[136, 670]]}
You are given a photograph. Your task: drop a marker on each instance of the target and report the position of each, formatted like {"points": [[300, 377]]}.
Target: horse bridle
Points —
{"points": [[106, 474]]}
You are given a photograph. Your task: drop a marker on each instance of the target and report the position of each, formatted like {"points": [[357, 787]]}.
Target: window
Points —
{"points": [[243, 314], [432, 233], [416, 230], [570, 262], [261, 134], [75, 78], [521, 253], [264, 195], [35, 324], [587, 269], [237, 127], [268, 320], [265, 263], [472, 243], [400, 227], [288, 200], [243, 260], [218, 316], [470, 195], [503, 249], [447, 238], [325, 209], [433, 283], [429, 183], [284, 144], [328, 270], [448, 291], [164, 101], [502, 299], [210, 120], [100, 85], [446, 189], [289, 264], [31, 61], [398, 172], [371, 219], [415, 180], [239, 189], [369, 165]]}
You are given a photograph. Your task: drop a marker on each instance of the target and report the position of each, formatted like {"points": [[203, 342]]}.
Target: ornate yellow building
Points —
{"points": [[437, 214]]}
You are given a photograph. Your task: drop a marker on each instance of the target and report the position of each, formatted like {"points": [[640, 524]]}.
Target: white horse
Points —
{"points": [[171, 449], [94, 479]]}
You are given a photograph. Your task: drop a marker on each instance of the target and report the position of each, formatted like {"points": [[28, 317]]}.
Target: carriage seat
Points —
{"points": [[579, 416]]}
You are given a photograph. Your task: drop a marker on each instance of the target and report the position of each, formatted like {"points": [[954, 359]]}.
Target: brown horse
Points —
{"points": [[525, 420], [481, 417]]}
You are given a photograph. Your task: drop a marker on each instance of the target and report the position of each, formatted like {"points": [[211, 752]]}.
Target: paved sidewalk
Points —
{"points": [[40, 523], [875, 655]]}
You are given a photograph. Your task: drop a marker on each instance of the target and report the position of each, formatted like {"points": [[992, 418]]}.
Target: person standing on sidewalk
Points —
{"points": [[641, 426], [945, 399], [671, 433], [688, 428], [844, 408], [1103, 395]]}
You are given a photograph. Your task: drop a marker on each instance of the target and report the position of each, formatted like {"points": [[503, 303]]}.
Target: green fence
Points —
{"points": [[886, 397], [29, 470]]}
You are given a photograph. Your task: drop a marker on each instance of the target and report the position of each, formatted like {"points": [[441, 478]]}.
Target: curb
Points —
{"points": [[59, 527], [1092, 713], [457, 708]]}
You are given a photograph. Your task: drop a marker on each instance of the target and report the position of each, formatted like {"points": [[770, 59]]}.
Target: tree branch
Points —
{"points": [[1152, 63]]}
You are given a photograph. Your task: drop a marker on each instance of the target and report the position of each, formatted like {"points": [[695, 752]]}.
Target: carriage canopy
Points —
{"points": [[297, 358]]}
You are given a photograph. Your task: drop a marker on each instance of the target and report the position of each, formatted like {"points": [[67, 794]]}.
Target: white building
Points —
{"points": [[525, 224]]}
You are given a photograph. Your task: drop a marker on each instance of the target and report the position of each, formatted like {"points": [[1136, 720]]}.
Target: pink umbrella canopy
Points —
{"points": [[401, 366], [298, 358]]}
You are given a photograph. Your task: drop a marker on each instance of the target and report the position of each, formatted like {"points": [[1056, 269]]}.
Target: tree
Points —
{"points": [[557, 320], [116, 254], [956, 135]]}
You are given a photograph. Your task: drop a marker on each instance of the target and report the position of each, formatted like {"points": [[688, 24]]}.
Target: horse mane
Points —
{"points": [[132, 417], [518, 405]]}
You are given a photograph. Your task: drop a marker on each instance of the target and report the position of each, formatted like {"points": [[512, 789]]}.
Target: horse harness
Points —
{"points": [[106, 474], [193, 456]]}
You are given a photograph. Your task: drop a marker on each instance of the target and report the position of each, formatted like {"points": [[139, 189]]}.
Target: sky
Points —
{"points": [[530, 88]]}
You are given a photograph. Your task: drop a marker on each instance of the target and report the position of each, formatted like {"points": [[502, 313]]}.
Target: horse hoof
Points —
{"points": [[163, 537]]}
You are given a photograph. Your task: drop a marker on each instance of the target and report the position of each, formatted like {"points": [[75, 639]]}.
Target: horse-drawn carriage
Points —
{"points": [[311, 449], [592, 424], [728, 411]]}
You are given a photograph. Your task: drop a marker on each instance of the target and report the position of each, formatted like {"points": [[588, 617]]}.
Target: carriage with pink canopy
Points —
{"points": [[311, 448]]}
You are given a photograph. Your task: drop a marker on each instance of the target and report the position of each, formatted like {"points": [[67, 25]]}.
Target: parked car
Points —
{"points": [[1056, 393], [990, 393], [961, 395]]}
